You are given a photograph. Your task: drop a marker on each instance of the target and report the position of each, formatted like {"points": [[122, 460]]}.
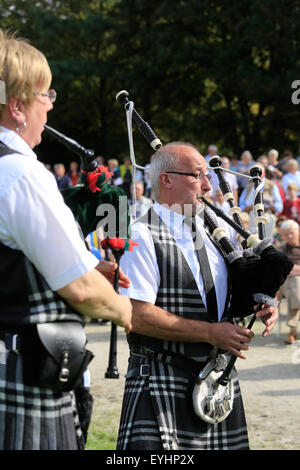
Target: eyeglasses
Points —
{"points": [[51, 94], [199, 177]]}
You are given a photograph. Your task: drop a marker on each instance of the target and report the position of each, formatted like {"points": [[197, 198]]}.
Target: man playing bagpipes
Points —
{"points": [[181, 317]]}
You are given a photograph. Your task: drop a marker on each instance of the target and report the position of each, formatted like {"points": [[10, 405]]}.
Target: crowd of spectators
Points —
{"points": [[281, 183], [281, 194], [121, 175]]}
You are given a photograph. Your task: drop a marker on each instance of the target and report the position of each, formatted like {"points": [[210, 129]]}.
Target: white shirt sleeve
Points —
{"points": [[35, 220], [141, 267]]}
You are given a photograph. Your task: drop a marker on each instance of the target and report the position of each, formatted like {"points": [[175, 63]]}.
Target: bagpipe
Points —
{"points": [[256, 271], [146, 131], [86, 201], [256, 274]]}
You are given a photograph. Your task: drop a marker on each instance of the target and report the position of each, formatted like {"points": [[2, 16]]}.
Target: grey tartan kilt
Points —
{"points": [[33, 418], [157, 414]]}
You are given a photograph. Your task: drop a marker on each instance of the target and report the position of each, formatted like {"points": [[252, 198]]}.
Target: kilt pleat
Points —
{"points": [[157, 413], [34, 418], [138, 426]]}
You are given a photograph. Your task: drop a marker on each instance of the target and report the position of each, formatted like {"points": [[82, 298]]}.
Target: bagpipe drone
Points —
{"points": [[256, 272]]}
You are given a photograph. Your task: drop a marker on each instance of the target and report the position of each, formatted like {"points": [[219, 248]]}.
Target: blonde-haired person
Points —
{"points": [[113, 166], [46, 272]]}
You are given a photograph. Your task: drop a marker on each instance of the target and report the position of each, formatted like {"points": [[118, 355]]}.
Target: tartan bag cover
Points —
{"points": [[33, 417], [157, 411]]}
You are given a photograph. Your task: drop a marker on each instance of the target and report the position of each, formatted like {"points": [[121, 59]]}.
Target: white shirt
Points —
{"points": [[35, 219], [289, 178], [141, 207], [246, 198], [141, 264]]}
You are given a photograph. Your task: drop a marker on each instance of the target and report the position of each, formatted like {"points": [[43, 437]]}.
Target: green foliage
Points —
{"points": [[197, 70]]}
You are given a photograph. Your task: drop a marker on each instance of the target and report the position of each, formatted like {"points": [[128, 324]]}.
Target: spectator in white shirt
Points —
{"points": [[212, 150], [292, 175], [274, 163], [141, 205]]}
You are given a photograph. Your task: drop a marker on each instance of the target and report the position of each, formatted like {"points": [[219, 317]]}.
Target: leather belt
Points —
{"points": [[176, 360]]}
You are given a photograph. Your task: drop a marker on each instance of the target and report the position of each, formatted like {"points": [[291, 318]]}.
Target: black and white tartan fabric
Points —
{"points": [[33, 417], [178, 292], [157, 413], [44, 304], [157, 410]]}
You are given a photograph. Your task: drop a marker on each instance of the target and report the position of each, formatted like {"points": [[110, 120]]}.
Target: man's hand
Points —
{"points": [[269, 316], [232, 338], [107, 269]]}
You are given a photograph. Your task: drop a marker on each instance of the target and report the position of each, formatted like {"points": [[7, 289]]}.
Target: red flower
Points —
{"points": [[96, 178], [118, 244]]}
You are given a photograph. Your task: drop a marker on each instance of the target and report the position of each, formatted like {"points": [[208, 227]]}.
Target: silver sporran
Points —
{"points": [[212, 401]]}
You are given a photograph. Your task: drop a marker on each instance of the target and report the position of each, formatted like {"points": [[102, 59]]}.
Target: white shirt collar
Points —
{"points": [[172, 219], [15, 142]]}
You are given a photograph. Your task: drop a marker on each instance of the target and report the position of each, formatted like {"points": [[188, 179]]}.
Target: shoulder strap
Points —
{"points": [[5, 150]]}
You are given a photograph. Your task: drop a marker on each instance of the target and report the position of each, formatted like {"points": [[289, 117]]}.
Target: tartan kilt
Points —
{"points": [[157, 413], [34, 418]]}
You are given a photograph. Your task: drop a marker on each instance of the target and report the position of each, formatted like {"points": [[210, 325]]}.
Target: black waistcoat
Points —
{"points": [[178, 292]]}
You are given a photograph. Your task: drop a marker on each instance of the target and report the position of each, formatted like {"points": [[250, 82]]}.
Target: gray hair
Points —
{"points": [[213, 148], [246, 153], [166, 158], [274, 152], [287, 224], [138, 183], [292, 162]]}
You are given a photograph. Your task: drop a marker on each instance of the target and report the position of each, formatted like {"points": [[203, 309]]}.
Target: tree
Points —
{"points": [[205, 71]]}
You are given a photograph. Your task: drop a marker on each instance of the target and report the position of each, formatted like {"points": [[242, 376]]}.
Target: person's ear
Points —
{"points": [[16, 110], [165, 180]]}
